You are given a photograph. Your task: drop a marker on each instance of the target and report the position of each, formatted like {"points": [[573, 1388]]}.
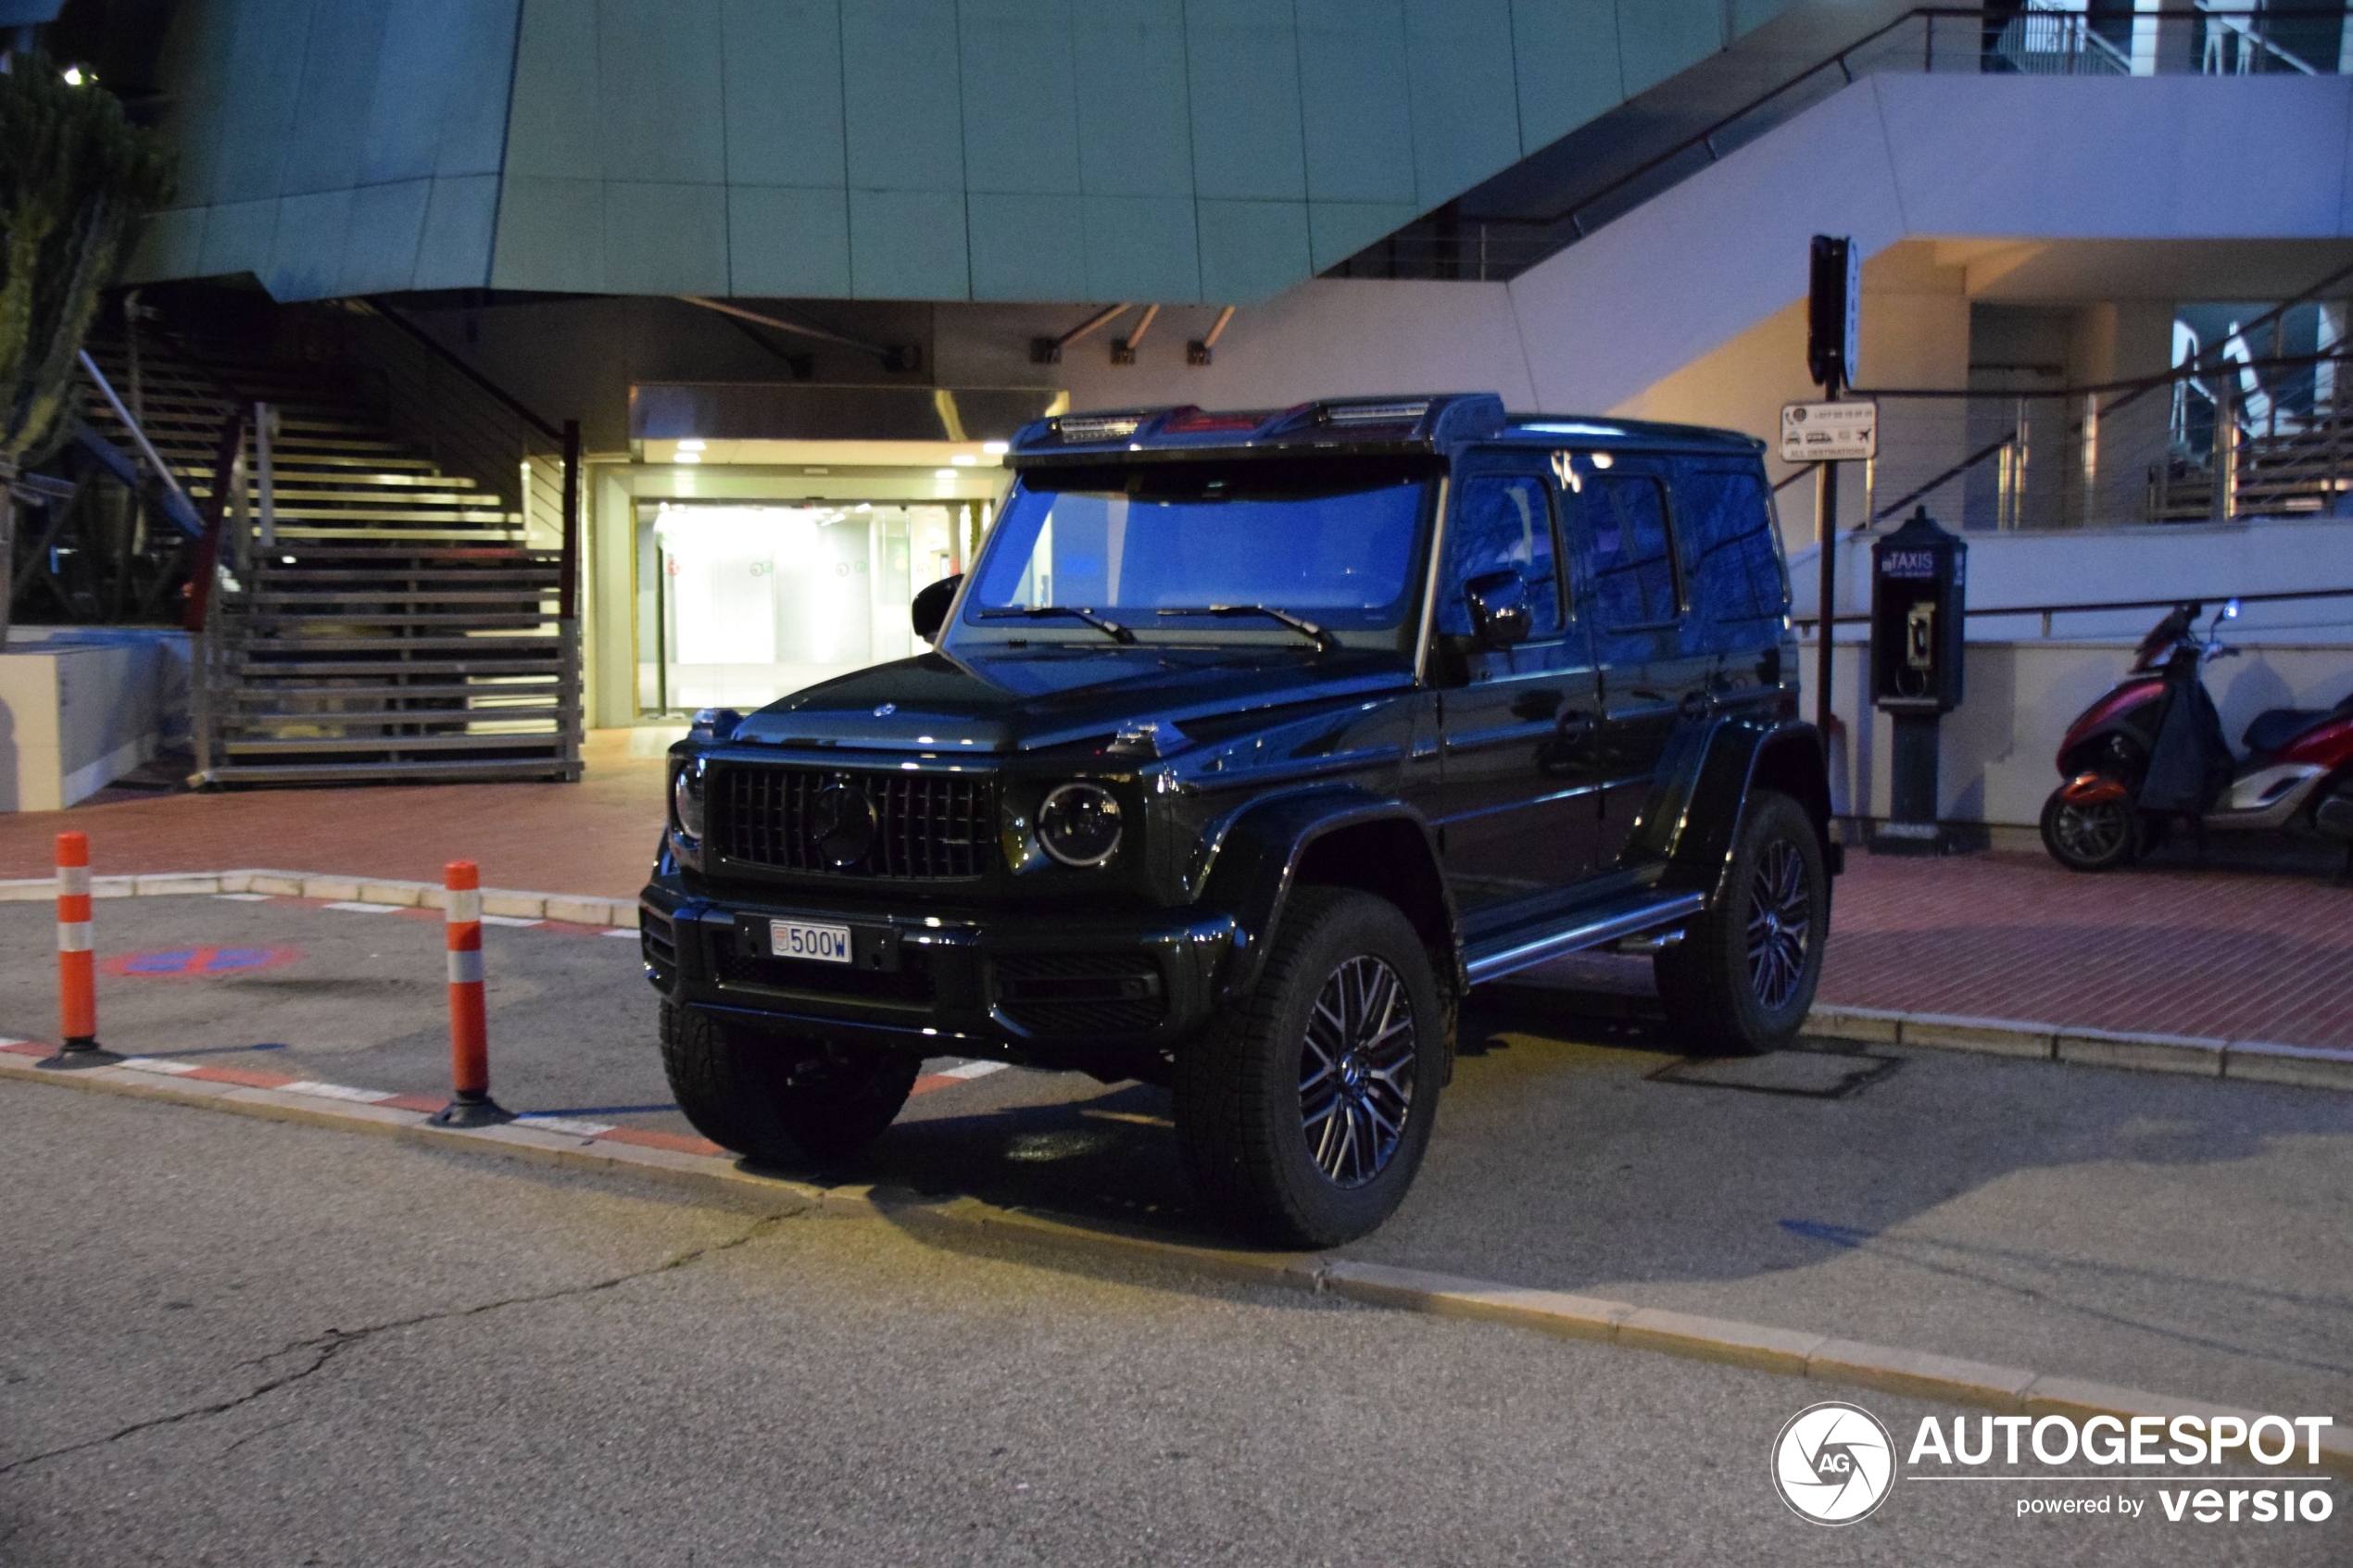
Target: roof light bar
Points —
{"points": [[1569, 427], [1377, 413], [1111, 428]]}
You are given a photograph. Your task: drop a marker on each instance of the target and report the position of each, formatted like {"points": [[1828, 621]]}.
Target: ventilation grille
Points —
{"points": [[933, 827], [1080, 993]]}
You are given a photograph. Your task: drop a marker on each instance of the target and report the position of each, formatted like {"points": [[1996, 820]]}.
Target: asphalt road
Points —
{"points": [[232, 1341], [2181, 1235]]}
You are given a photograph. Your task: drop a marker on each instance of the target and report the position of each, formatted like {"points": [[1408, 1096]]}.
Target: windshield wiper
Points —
{"points": [[1111, 629], [1325, 641]]}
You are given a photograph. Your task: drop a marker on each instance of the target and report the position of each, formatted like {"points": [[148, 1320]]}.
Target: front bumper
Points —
{"points": [[1050, 989]]}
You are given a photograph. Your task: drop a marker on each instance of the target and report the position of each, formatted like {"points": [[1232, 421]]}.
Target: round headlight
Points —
{"points": [[1079, 824], [686, 799]]}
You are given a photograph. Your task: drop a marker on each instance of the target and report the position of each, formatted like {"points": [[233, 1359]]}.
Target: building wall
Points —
{"points": [[334, 147], [880, 149]]}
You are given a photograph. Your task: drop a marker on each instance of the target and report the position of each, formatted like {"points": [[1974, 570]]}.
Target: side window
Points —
{"points": [[1502, 520], [1731, 547], [1634, 562]]}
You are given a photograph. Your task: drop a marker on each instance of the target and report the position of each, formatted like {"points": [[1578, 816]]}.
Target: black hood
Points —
{"points": [[1047, 696]]}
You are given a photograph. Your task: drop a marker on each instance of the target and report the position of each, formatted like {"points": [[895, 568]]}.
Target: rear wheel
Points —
{"points": [[1742, 980], [1303, 1113], [781, 1099], [2095, 835]]}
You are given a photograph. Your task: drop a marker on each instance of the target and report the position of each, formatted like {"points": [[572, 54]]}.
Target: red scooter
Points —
{"points": [[2152, 753]]}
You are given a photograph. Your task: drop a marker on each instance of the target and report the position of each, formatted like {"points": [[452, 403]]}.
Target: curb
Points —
{"points": [[575, 909], [2251, 1062], [1817, 1357]]}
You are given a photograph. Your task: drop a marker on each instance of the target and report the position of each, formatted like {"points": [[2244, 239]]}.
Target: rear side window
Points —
{"points": [[1502, 520], [1634, 562], [1730, 548]]}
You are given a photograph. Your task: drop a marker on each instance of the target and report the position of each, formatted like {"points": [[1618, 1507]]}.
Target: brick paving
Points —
{"points": [[2175, 948], [2219, 953]]}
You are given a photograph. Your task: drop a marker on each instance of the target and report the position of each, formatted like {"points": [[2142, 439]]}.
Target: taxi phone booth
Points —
{"points": [[1920, 576]]}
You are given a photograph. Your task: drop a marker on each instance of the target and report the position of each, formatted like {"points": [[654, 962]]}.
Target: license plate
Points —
{"points": [[805, 939]]}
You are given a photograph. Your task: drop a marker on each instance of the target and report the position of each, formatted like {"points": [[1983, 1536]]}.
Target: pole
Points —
{"points": [[77, 979], [470, 1102], [1825, 529]]}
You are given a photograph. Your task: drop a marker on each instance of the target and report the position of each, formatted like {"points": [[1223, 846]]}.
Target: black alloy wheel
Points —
{"points": [[1779, 923], [1356, 1070]]}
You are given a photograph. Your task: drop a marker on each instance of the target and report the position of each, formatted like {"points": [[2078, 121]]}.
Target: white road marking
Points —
{"points": [[355, 906], [572, 1124], [511, 920], [244, 898], [973, 1070], [333, 1091], [156, 1064], [621, 930]]}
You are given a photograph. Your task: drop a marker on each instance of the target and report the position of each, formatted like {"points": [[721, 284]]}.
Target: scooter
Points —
{"points": [[2152, 753]]}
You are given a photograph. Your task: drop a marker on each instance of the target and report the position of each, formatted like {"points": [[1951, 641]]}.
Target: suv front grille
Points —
{"points": [[905, 826], [1080, 993]]}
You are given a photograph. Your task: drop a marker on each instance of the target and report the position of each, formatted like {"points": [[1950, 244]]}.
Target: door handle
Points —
{"points": [[1574, 726], [1695, 704]]}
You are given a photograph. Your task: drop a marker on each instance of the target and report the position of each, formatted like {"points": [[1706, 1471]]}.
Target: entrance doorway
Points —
{"points": [[739, 604]]}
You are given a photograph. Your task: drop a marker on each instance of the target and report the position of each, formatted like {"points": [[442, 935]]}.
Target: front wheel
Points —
{"points": [[2094, 836], [1742, 980], [781, 1099], [1303, 1113]]}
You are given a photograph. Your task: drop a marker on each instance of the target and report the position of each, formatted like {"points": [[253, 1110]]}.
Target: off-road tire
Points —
{"points": [[781, 1099], [1707, 983], [1238, 1089]]}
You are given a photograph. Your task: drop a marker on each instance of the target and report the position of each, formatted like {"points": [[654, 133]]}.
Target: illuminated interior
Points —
{"points": [[739, 604]]}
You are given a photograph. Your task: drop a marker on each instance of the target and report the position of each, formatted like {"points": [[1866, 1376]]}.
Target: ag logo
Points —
{"points": [[1833, 1463]]}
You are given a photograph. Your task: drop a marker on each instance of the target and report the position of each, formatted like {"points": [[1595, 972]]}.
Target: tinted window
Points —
{"points": [[1501, 521], [1633, 563], [1729, 545], [1337, 548]]}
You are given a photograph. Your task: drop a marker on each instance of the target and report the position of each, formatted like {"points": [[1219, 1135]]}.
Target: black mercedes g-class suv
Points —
{"points": [[1250, 743]]}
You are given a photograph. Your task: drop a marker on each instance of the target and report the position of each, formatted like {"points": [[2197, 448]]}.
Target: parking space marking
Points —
{"points": [[948, 1077]]}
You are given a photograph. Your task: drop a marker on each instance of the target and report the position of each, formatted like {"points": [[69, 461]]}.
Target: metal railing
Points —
{"points": [[1464, 240], [2269, 437]]}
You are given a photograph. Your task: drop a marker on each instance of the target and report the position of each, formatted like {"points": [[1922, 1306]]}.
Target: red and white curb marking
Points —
{"points": [[580, 1127]]}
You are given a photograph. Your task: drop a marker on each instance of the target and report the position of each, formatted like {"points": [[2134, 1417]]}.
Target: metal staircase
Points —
{"points": [[362, 612]]}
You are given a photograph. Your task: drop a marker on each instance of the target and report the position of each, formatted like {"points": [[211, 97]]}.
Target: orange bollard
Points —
{"points": [[470, 1104], [77, 971]]}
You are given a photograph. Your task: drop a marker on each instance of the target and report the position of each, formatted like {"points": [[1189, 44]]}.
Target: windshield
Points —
{"points": [[1334, 547]]}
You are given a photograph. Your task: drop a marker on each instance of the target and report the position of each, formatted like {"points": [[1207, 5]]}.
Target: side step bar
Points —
{"points": [[1631, 919]]}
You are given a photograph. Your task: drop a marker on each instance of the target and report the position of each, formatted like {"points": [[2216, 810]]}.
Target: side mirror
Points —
{"points": [[929, 611], [1499, 609]]}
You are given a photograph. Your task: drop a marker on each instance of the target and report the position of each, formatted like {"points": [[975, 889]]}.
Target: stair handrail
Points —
{"points": [[2131, 391], [185, 514], [2233, 22], [1838, 60], [226, 448], [378, 305], [2075, 26]]}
